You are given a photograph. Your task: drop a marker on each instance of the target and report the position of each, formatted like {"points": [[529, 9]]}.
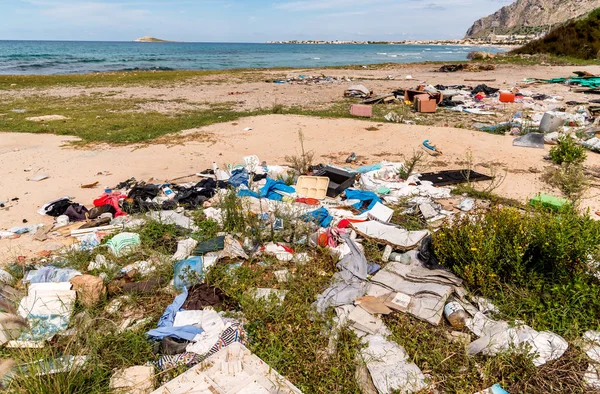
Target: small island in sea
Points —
{"points": [[150, 39]]}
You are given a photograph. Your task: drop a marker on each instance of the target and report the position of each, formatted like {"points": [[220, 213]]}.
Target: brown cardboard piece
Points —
{"points": [[373, 305]]}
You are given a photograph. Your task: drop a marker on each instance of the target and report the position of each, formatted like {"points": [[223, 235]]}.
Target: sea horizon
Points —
{"points": [[47, 57]]}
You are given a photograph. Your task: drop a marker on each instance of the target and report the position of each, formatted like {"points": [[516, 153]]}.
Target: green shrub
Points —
{"points": [[579, 38], [567, 151], [507, 246], [161, 237], [570, 179], [534, 265]]}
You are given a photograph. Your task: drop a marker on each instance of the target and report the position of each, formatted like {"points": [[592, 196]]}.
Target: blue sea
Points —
{"points": [[64, 57]]}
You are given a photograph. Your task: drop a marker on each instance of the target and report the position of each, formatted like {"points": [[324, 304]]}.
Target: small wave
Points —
{"points": [[382, 53], [428, 49], [316, 58], [157, 68], [393, 55], [446, 52]]}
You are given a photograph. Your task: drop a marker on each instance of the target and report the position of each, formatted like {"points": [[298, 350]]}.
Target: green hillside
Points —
{"points": [[579, 39]]}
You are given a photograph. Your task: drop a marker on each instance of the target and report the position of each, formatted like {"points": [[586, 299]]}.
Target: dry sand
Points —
{"points": [[272, 138]]}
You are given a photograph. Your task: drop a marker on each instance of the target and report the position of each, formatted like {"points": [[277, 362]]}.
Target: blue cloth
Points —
{"points": [[185, 267], [248, 193], [269, 190], [239, 177], [165, 323], [365, 169], [365, 197], [320, 216]]}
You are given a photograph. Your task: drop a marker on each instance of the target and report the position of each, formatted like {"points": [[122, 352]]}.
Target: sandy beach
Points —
{"points": [[272, 138]]}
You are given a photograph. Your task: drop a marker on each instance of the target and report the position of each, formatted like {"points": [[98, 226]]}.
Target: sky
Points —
{"points": [[240, 20]]}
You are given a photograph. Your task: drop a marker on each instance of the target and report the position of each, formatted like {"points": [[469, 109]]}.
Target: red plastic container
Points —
{"points": [[507, 97]]}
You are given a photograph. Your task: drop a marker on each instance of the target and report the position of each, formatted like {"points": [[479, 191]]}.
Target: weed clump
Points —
{"points": [[533, 263], [303, 162], [567, 151]]}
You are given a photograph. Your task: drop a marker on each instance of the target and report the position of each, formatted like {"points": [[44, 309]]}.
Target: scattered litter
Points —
{"points": [[390, 368], [38, 178], [233, 370], [123, 243], [47, 118], [531, 140], [498, 336], [133, 380]]}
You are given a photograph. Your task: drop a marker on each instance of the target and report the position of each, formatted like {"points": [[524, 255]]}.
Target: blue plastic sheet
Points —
{"points": [[320, 216], [165, 323], [366, 198], [269, 190], [184, 268], [50, 274]]}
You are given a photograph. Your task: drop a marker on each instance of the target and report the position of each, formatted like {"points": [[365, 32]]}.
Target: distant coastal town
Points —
{"points": [[504, 40]]}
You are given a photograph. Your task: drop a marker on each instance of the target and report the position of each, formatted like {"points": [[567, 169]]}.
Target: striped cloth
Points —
{"points": [[234, 333]]}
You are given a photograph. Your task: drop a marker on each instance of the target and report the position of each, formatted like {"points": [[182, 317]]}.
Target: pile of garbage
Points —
{"points": [[310, 80], [537, 117], [340, 208]]}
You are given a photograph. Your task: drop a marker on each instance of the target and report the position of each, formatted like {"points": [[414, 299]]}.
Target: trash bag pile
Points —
{"points": [[329, 207]]}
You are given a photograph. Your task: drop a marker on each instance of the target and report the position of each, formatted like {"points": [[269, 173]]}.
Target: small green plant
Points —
{"points": [[207, 228], [303, 162], [161, 237], [277, 108], [409, 166], [567, 151], [570, 179]]}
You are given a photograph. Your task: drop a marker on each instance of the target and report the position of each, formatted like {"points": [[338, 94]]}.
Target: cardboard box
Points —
{"points": [[425, 106], [362, 110], [410, 95]]}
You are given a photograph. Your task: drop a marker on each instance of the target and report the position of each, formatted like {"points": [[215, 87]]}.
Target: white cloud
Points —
{"points": [[92, 12], [315, 5]]}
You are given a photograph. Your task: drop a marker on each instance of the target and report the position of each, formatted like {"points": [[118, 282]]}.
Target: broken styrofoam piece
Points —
{"points": [[497, 336], [233, 370], [390, 368], [380, 212], [133, 380]]}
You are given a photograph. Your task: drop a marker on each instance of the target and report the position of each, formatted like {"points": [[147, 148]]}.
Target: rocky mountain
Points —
{"points": [[531, 16]]}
